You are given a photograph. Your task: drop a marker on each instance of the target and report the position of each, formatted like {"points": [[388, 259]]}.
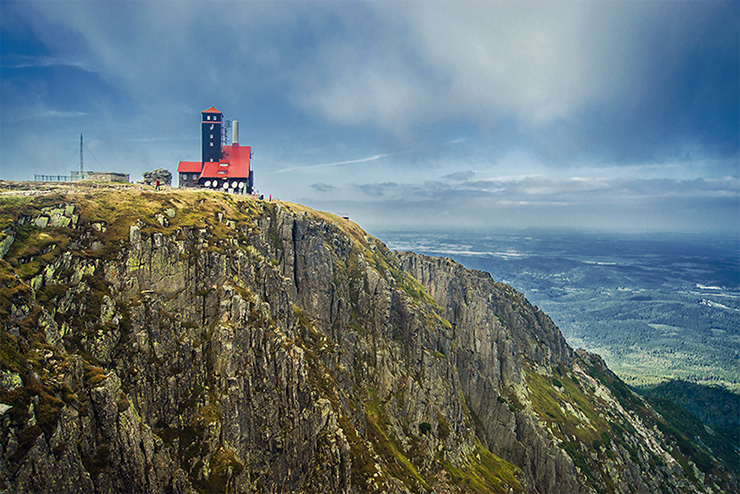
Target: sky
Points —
{"points": [[618, 116]]}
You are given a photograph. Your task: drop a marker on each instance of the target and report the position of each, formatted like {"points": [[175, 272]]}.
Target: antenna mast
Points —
{"points": [[82, 167]]}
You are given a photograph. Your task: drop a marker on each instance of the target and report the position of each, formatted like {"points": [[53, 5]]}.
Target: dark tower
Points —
{"points": [[211, 134]]}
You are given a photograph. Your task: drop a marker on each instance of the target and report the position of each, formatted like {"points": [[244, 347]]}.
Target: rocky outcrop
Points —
{"points": [[496, 332], [163, 176], [200, 342]]}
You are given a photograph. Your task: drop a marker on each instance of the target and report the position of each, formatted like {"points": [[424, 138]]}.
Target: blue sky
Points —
{"points": [[620, 116]]}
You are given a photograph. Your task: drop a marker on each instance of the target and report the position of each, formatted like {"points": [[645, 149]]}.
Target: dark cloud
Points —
{"points": [[611, 80], [649, 89], [589, 81]]}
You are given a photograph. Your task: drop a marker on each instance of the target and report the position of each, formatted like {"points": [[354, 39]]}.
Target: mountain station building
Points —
{"points": [[225, 168]]}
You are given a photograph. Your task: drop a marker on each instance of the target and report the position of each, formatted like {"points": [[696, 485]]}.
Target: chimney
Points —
{"points": [[235, 132]]}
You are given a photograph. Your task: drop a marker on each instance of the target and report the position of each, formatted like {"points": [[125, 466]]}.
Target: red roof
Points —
{"points": [[211, 110], [189, 167], [234, 164]]}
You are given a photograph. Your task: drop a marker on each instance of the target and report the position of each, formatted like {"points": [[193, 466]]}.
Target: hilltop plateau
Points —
{"points": [[193, 341]]}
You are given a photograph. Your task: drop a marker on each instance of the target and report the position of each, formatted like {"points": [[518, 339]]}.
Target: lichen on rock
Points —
{"points": [[203, 342]]}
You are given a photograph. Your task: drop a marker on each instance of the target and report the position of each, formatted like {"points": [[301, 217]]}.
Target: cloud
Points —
{"points": [[155, 51], [322, 187], [625, 205], [375, 190], [537, 62], [17, 61], [578, 80], [336, 163], [479, 184], [58, 114], [569, 80], [460, 175], [632, 97]]}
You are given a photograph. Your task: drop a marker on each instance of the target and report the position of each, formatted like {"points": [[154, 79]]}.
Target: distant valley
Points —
{"points": [[654, 307]]}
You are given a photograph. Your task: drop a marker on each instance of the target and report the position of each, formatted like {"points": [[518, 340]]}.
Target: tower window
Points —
{"points": [[211, 146]]}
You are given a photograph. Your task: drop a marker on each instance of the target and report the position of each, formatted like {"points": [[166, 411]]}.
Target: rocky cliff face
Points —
{"points": [[201, 342]]}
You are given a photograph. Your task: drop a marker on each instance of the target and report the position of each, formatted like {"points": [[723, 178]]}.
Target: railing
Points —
{"points": [[51, 178]]}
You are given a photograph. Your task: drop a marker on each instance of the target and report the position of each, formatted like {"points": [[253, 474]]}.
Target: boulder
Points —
{"points": [[164, 177]]}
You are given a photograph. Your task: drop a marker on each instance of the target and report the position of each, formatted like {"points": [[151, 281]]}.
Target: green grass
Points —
{"points": [[592, 434], [389, 448], [547, 399], [485, 473]]}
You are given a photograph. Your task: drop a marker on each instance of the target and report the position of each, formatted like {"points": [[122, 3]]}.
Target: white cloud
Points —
{"points": [[538, 62], [15, 61], [336, 163], [57, 114]]}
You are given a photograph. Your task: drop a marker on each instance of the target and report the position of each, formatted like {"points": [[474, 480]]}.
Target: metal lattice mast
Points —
{"points": [[82, 166]]}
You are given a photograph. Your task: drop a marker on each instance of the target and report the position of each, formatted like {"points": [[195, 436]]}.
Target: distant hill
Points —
{"points": [[708, 414], [193, 341], [713, 405]]}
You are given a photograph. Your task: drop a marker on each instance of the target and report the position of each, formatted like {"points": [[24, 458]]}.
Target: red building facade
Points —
{"points": [[225, 168]]}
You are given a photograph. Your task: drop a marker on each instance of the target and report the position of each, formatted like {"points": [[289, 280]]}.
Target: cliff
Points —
{"points": [[204, 342]]}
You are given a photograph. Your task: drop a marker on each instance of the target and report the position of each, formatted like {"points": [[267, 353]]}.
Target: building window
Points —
{"points": [[211, 136], [211, 146], [195, 177]]}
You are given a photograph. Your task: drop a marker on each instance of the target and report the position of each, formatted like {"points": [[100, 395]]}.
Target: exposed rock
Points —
{"points": [[10, 381], [151, 177], [5, 243], [221, 344]]}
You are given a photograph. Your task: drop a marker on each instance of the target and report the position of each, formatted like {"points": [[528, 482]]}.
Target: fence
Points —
{"points": [[50, 178]]}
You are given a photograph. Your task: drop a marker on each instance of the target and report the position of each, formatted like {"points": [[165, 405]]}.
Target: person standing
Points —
{"points": [[157, 184]]}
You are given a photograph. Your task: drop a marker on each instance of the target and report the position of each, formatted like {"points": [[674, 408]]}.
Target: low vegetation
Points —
{"points": [[78, 337]]}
